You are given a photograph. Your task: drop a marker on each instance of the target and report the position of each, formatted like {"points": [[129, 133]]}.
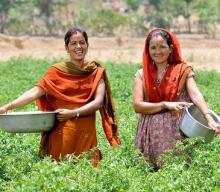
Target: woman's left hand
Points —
{"points": [[64, 114], [214, 125]]}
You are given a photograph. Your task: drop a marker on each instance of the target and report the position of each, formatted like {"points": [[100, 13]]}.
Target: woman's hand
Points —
{"points": [[3, 109], [215, 126], [212, 124], [64, 114], [176, 105]]}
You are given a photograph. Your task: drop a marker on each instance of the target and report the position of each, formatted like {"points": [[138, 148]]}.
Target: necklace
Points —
{"points": [[160, 77]]}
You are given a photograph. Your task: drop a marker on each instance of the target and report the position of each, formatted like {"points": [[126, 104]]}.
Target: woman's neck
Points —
{"points": [[78, 63], [161, 66], [161, 70]]}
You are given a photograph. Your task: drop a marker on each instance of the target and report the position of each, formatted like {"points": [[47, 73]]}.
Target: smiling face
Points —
{"points": [[77, 47], [159, 50]]}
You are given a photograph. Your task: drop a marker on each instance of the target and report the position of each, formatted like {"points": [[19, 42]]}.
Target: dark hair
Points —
{"points": [[72, 31], [161, 33]]}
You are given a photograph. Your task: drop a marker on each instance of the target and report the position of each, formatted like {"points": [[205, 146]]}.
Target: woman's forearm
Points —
{"points": [[87, 109], [196, 96], [26, 98], [95, 104], [152, 108], [148, 108], [141, 106], [199, 101]]}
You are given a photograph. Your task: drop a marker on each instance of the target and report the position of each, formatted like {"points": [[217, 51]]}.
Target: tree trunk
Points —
{"points": [[2, 22], [188, 17]]}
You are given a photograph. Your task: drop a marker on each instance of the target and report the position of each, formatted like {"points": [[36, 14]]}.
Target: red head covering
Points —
{"points": [[174, 78]]}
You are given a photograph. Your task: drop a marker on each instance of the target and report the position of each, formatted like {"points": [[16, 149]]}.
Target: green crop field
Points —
{"points": [[122, 168]]}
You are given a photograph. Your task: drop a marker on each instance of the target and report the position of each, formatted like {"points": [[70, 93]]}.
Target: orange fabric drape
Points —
{"points": [[77, 86], [174, 79]]}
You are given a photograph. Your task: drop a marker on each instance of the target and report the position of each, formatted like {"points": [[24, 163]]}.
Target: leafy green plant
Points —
{"points": [[192, 166]]}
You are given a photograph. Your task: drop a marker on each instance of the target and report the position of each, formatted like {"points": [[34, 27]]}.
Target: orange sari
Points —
{"points": [[70, 87]]}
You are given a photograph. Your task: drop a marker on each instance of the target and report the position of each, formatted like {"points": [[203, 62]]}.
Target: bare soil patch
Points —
{"points": [[196, 49]]}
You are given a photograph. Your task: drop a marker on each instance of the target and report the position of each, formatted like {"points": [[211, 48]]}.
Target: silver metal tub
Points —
{"points": [[27, 122], [194, 124]]}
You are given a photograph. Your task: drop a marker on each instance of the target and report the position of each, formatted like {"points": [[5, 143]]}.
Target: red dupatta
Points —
{"points": [[174, 79]]}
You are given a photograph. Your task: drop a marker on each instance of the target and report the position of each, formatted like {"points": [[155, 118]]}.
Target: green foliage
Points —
{"points": [[5, 5], [156, 3], [90, 19], [52, 17], [207, 83], [133, 4], [207, 11], [209, 15], [137, 24], [166, 10], [160, 20], [105, 25], [192, 166]]}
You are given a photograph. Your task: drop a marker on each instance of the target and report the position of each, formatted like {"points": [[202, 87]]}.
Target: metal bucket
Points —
{"points": [[27, 122], [194, 124]]}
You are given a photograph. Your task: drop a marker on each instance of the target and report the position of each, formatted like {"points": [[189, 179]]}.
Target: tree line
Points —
{"points": [[53, 17]]}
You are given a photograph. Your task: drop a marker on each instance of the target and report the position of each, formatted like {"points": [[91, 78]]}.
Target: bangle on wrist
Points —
{"points": [[164, 105], [77, 114], [207, 113]]}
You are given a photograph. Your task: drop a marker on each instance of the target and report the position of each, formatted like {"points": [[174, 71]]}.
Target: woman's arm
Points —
{"points": [[198, 100], [91, 107], [26, 98], [140, 106], [147, 108]]}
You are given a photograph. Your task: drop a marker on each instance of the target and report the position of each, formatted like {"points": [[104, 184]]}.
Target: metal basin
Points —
{"points": [[27, 122], [194, 124]]}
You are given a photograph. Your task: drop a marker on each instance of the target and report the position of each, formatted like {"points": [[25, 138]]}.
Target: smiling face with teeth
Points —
{"points": [[77, 47]]}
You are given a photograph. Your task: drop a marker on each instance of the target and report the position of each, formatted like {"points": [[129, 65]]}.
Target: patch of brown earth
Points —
{"points": [[196, 49]]}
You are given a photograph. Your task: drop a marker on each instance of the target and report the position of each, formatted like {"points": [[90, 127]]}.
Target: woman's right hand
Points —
{"points": [[176, 105], [3, 109]]}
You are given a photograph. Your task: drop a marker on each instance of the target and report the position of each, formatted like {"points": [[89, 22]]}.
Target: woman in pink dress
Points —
{"points": [[162, 89]]}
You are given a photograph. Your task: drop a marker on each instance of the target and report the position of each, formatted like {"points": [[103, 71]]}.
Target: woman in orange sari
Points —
{"points": [[162, 89], [76, 90]]}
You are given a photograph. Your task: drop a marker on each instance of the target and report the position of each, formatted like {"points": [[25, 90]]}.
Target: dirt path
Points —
{"points": [[196, 50]]}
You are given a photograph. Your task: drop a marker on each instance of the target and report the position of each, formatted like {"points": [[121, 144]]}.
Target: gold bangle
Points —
{"points": [[77, 114]]}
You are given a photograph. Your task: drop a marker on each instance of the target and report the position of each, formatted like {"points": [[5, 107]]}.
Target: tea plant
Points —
{"points": [[191, 166]]}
